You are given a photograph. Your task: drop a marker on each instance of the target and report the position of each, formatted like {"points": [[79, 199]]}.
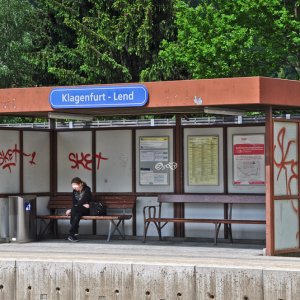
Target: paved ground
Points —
{"points": [[154, 252]]}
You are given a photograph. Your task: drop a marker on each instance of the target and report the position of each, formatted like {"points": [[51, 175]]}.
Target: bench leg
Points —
{"points": [[217, 230], [230, 233], [158, 227], [42, 231], [216, 233], [116, 228], [146, 226]]}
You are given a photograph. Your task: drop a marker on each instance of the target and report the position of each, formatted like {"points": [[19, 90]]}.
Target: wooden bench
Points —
{"points": [[153, 214], [57, 206]]}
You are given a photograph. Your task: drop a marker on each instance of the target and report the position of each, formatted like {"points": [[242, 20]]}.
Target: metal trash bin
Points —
{"points": [[4, 220], [22, 218]]}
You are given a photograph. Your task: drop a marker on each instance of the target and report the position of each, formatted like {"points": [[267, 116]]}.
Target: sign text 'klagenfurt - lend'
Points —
{"points": [[99, 97]]}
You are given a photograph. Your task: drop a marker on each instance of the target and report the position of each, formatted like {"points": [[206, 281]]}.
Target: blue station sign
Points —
{"points": [[99, 97]]}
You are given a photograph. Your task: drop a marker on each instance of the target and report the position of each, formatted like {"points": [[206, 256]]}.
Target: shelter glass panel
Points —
{"points": [[114, 161], [285, 158], [286, 224], [74, 158], [10, 161], [36, 162]]}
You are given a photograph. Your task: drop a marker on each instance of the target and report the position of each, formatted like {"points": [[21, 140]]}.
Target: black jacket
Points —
{"points": [[85, 197]]}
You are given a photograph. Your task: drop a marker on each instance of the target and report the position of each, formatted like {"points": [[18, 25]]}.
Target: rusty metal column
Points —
{"points": [[53, 157], [178, 207], [269, 182]]}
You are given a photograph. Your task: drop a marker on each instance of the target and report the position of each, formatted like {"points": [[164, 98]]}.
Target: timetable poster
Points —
{"points": [[249, 159], [203, 160], [154, 152]]}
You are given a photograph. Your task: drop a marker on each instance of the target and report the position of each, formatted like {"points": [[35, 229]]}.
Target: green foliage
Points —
{"points": [[17, 36], [109, 41], [70, 42], [226, 39]]}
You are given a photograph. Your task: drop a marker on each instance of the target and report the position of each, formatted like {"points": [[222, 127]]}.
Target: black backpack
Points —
{"points": [[97, 209]]}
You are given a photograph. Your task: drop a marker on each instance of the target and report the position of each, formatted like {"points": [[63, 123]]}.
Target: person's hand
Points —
{"points": [[86, 205], [68, 212]]}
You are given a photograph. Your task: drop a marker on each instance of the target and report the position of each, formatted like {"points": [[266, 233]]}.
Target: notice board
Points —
{"points": [[203, 160], [154, 160], [246, 159]]}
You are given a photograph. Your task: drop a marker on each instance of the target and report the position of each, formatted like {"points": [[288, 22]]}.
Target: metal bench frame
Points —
{"points": [[152, 213]]}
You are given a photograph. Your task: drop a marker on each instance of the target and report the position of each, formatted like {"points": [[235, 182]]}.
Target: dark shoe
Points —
{"points": [[72, 238], [76, 234]]}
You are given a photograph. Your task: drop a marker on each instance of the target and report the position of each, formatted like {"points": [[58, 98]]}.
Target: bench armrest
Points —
{"points": [[151, 211]]}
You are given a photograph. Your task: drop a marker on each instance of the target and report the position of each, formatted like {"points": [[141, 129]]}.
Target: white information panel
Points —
{"points": [[36, 162], [203, 160], [74, 158], [246, 159], [10, 161], [154, 153], [154, 160], [114, 161]]}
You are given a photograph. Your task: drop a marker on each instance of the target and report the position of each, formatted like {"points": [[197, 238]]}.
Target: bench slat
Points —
{"points": [[63, 217], [216, 198], [214, 221]]}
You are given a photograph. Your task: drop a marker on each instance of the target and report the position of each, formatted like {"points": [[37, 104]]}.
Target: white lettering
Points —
{"points": [[85, 98], [123, 97], [64, 97]]}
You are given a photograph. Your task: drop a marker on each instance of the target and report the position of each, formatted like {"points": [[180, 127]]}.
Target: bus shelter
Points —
{"points": [[257, 158]]}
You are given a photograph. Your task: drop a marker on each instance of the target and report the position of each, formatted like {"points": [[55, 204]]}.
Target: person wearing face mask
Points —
{"points": [[81, 198]]}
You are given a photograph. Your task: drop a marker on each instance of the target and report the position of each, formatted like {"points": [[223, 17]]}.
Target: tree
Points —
{"points": [[110, 41], [291, 69], [17, 35], [225, 39]]}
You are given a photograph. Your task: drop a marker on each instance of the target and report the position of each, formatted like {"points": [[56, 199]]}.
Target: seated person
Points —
{"points": [[81, 198]]}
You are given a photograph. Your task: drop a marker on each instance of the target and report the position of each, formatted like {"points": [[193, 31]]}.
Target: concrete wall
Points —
{"points": [[23, 279]]}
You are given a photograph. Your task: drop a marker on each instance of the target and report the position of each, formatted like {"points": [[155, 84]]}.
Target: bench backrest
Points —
{"points": [[209, 198], [116, 201]]}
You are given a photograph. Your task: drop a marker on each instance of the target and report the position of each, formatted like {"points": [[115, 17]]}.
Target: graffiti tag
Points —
{"points": [[85, 160], [8, 158]]}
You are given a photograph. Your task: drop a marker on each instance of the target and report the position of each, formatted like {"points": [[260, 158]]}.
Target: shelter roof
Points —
{"points": [[183, 96]]}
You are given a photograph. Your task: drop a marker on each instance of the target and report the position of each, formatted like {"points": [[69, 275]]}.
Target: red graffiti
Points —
{"points": [[285, 164], [85, 160], [8, 159]]}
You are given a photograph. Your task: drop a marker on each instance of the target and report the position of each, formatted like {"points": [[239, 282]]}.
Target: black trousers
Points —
{"points": [[76, 213]]}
